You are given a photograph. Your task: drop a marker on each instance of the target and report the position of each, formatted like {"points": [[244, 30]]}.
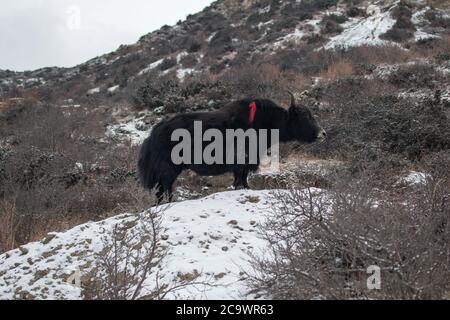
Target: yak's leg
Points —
{"points": [[165, 186], [240, 177], [237, 184], [244, 178], [161, 194], [164, 193]]}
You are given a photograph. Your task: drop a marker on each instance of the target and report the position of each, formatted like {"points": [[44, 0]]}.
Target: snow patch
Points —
{"points": [[181, 55], [183, 73], [363, 31], [93, 91], [261, 24], [296, 35], [150, 67], [210, 237], [210, 37], [34, 81], [113, 89], [418, 20], [418, 16], [422, 35], [134, 130], [414, 178], [264, 10]]}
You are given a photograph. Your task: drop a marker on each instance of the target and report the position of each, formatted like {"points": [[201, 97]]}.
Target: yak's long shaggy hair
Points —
{"points": [[155, 165]]}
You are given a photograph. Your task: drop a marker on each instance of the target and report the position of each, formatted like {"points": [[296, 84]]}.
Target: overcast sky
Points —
{"points": [[40, 33]]}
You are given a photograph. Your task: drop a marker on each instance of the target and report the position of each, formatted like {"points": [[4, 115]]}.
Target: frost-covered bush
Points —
{"points": [[321, 244], [130, 264], [130, 255], [416, 76]]}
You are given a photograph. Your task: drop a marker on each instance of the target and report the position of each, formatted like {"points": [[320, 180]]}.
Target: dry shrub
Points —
{"points": [[189, 61], [130, 259], [221, 42], [263, 80], [388, 54], [167, 64], [354, 11], [322, 244], [397, 34], [303, 59], [368, 125], [127, 260], [60, 174], [153, 92], [306, 9], [437, 19], [438, 4], [437, 48], [417, 76], [330, 24], [9, 221], [209, 91], [342, 68]]}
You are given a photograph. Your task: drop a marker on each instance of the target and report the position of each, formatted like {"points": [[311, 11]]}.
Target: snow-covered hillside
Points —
{"points": [[363, 31], [208, 239]]}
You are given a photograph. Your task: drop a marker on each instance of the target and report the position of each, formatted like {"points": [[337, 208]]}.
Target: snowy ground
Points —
{"points": [[209, 238], [132, 129], [363, 31], [413, 178]]}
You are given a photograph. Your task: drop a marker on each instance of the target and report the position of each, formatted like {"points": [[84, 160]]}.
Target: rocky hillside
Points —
{"points": [[375, 73], [230, 33]]}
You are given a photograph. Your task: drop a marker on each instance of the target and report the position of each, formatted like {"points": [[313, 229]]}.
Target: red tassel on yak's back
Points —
{"points": [[252, 111]]}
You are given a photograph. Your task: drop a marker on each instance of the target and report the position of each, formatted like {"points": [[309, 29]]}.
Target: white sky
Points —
{"points": [[41, 33]]}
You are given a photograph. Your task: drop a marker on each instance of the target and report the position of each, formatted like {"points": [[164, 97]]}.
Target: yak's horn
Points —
{"points": [[293, 103]]}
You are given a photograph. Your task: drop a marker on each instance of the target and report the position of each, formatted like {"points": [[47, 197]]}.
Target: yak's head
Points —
{"points": [[302, 124]]}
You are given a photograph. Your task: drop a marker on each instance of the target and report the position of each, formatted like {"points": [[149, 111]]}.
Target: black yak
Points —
{"points": [[157, 169]]}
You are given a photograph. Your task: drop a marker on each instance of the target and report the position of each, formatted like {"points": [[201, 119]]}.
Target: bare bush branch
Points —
{"points": [[321, 244]]}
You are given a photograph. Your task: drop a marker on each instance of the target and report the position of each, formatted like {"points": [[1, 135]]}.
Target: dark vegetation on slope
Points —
{"points": [[403, 28], [57, 172]]}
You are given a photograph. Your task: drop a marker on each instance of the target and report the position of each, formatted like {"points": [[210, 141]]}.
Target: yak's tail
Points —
{"points": [[149, 163]]}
